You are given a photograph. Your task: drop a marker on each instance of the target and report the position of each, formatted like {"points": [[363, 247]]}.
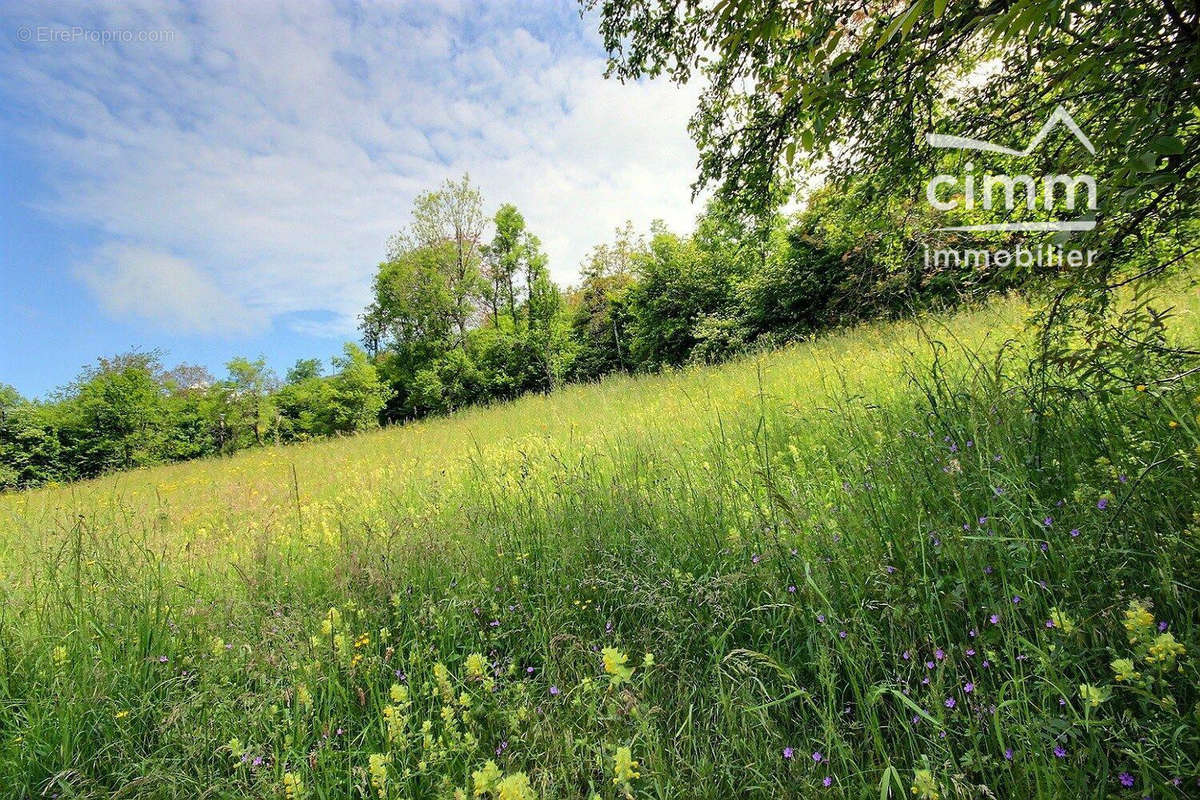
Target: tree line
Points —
{"points": [[464, 311]]}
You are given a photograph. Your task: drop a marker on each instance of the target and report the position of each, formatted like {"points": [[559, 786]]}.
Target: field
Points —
{"points": [[858, 564]]}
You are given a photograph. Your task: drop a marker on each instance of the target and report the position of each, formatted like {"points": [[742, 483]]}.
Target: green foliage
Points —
{"points": [[671, 586]]}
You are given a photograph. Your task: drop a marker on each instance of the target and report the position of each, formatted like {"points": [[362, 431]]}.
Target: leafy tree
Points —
{"points": [[117, 414], [357, 393], [447, 225], [849, 89], [304, 369], [678, 285], [248, 411]]}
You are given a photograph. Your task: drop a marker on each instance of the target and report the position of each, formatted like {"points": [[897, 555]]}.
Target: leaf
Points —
{"points": [[939, 6], [894, 25], [1167, 145]]}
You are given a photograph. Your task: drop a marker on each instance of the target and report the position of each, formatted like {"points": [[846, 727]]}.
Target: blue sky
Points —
{"points": [[221, 180]]}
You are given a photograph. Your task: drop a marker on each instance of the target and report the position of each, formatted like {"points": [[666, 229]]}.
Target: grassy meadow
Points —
{"points": [[853, 566]]}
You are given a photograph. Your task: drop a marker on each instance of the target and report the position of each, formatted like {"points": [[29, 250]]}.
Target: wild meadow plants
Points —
{"points": [[864, 566]]}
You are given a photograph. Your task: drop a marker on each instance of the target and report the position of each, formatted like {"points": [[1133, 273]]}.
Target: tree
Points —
{"points": [[118, 413], [850, 89], [448, 225], [304, 369], [357, 392], [247, 396]]}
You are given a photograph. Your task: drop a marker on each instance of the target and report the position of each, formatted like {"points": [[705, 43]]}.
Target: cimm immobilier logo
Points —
{"points": [[947, 192]]}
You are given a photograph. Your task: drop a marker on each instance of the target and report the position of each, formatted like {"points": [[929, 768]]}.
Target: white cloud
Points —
{"points": [[272, 149], [167, 291]]}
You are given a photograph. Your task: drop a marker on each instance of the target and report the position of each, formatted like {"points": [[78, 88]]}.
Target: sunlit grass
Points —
{"points": [[778, 546]]}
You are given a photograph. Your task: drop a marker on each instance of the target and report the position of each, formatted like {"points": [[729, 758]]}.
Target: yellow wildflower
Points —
{"points": [[515, 787], [442, 676], [624, 769], [614, 665], [377, 769], [476, 666], [1093, 695], [1138, 620], [924, 786], [399, 694], [1164, 650], [60, 656], [1123, 667], [293, 787], [486, 779], [331, 622], [1061, 621]]}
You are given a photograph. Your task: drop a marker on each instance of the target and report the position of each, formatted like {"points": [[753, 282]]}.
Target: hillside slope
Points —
{"points": [[855, 563]]}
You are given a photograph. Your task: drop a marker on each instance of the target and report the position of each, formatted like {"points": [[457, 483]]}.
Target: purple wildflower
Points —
{"points": [[1102, 503], [1008, 754], [817, 757], [827, 782], [554, 691], [788, 753], [1126, 780], [1059, 752], [968, 687], [951, 702]]}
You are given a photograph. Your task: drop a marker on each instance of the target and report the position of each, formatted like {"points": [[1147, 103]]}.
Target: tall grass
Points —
{"points": [[800, 554]]}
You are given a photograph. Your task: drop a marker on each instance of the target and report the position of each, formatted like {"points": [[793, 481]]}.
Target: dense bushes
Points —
{"points": [[455, 321]]}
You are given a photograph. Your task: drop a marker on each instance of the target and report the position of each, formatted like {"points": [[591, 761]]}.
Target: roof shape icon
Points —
{"points": [[1059, 116]]}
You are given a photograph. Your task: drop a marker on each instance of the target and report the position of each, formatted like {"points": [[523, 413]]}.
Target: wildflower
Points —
{"points": [[398, 693], [293, 787], [1074, 533], [122, 714], [1126, 780], [377, 769], [1059, 752], [1093, 695], [1138, 620], [624, 769], [1048, 521], [60, 656], [827, 782], [788, 753], [648, 660], [923, 785], [939, 654], [817, 757], [442, 676], [515, 787], [486, 779], [1060, 620], [968, 687], [951, 702], [821, 618], [994, 619], [1016, 599], [235, 748], [554, 691], [614, 665], [842, 634], [1008, 754], [476, 666], [1164, 650], [303, 696], [1102, 503]]}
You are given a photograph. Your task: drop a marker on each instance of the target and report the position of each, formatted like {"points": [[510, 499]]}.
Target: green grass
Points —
{"points": [[792, 536]]}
